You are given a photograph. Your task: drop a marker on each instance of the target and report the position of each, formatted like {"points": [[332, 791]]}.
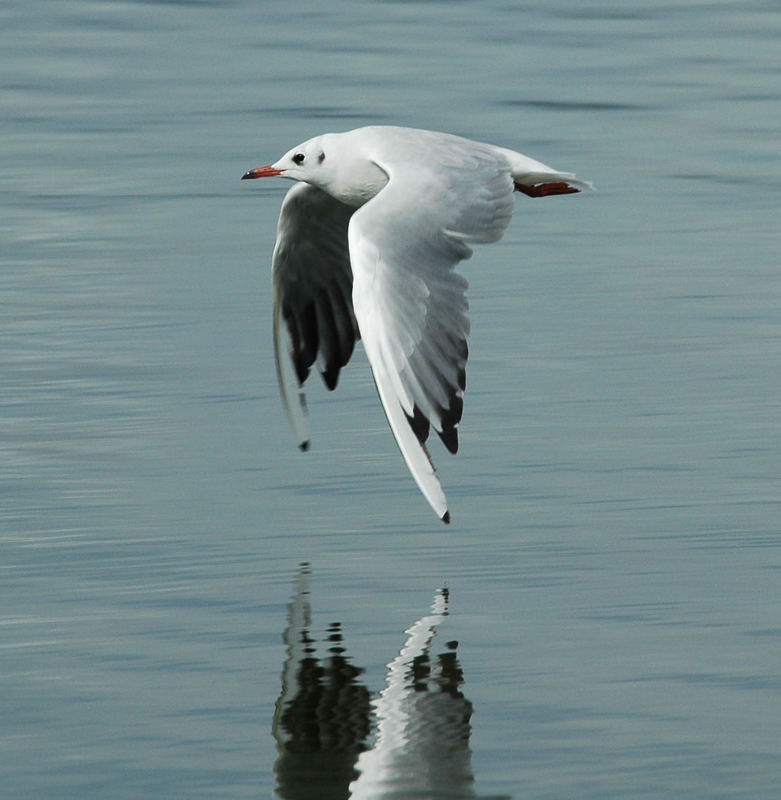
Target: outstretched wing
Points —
{"points": [[312, 282], [409, 301]]}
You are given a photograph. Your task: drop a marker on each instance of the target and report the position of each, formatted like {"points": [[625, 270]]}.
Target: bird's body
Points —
{"points": [[366, 248]]}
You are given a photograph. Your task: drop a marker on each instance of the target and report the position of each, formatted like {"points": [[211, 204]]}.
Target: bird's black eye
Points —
{"points": [[298, 158], [321, 158]]}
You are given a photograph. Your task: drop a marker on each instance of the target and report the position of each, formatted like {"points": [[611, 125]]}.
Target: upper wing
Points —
{"points": [[312, 283], [410, 303]]}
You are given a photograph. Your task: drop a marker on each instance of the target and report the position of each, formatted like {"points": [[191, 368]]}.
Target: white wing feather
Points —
{"points": [[410, 303]]}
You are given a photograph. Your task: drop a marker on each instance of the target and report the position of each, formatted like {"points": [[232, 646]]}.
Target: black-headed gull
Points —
{"points": [[366, 248]]}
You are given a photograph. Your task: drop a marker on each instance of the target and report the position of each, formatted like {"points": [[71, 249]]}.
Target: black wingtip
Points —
{"points": [[446, 518], [304, 446]]}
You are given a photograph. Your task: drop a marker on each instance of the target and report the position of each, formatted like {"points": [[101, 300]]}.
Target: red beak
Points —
{"points": [[261, 172]]}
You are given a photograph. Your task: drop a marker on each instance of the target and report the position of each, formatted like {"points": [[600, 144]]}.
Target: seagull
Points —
{"points": [[367, 244]]}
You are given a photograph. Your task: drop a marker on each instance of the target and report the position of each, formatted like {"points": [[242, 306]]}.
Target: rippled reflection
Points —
{"points": [[324, 716]]}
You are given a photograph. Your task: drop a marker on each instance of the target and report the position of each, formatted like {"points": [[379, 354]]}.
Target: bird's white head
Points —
{"points": [[332, 162], [306, 162]]}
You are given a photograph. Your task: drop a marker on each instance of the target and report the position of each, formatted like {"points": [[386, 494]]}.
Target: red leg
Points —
{"points": [[545, 189]]}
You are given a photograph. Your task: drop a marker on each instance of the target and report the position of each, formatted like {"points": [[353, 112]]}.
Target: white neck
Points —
{"points": [[351, 176]]}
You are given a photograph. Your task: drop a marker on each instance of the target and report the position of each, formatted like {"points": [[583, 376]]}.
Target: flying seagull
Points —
{"points": [[367, 244]]}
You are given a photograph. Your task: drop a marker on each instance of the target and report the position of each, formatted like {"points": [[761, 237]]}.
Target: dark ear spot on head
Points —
{"points": [[321, 158]]}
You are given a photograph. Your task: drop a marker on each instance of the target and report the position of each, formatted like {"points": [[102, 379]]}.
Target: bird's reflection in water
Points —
{"points": [[323, 717]]}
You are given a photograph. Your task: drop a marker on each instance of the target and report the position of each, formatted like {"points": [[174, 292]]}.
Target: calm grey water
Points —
{"points": [[611, 620]]}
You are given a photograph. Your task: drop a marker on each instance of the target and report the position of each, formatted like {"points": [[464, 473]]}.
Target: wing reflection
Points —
{"points": [[423, 723], [322, 719]]}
